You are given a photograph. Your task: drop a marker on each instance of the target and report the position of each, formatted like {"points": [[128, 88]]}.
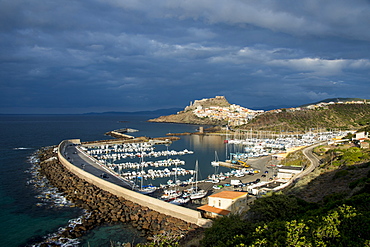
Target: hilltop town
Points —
{"points": [[218, 111]]}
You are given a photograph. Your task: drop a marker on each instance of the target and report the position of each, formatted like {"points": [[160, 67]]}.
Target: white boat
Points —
{"points": [[195, 193], [216, 162], [147, 189], [180, 200], [171, 195], [198, 194]]}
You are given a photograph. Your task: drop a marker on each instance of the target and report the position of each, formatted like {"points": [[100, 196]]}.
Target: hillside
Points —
{"points": [[187, 115], [336, 100], [340, 116], [328, 208], [322, 115], [342, 174]]}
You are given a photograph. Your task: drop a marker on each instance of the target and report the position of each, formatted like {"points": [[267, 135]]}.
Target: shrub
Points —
{"points": [[340, 174]]}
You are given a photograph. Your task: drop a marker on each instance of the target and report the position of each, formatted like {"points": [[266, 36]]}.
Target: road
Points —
{"points": [[315, 161], [80, 159]]}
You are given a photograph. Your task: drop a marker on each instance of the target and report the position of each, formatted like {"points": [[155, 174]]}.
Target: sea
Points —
{"points": [[32, 210]]}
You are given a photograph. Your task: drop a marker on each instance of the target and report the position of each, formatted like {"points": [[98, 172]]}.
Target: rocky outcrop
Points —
{"points": [[219, 101], [187, 116], [104, 207]]}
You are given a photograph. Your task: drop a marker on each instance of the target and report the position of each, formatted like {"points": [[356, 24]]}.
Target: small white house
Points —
{"points": [[286, 172], [262, 188], [362, 135], [224, 203]]}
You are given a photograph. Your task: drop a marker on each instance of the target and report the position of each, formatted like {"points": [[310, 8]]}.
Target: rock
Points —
{"points": [[104, 206]]}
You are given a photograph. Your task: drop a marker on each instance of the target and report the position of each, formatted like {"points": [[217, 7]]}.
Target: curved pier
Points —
{"points": [[186, 214]]}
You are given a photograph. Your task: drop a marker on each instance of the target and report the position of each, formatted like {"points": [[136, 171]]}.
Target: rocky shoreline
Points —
{"points": [[186, 118], [103, 207]]}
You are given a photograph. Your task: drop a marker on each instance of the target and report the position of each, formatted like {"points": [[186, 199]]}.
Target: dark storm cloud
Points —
{"points": [[81, 56]]}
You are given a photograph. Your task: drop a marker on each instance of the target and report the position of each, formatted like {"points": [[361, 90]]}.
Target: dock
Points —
{"points": [[116, 134], [126, 130], [230, 165]]}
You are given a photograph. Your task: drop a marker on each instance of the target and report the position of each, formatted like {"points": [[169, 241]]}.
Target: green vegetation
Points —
{"points": [[295, 159], [163, 240], [343, 156], [339, 116], [296, 224], [366, 128], [341, 218]]}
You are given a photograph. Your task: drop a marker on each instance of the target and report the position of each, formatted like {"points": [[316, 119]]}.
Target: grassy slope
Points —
{"points": [[343, 178], [341, 167], [335, 116]]}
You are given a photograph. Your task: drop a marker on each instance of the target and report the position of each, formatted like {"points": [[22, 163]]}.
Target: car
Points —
{"points": [[103, 175], [227, 185], [266, 171], [263, 175], [216, 187], [258, 180]]}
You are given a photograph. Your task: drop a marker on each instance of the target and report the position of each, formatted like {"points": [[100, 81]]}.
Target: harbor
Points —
{"points": [[153, 169], [161, 177]]}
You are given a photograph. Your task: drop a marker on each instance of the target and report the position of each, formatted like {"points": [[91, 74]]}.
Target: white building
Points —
{"points": [[287, 172], [224, 203]]}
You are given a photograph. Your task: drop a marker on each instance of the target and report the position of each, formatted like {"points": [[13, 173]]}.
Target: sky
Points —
{"points": [[131, 55]]}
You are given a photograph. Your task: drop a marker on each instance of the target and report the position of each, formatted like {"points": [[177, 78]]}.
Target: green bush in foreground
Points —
{"points": [[296, 223]]}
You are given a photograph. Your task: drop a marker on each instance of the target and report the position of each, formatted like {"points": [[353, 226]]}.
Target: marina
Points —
{"points": [[242, 149], [153, 169], [209, 179]]}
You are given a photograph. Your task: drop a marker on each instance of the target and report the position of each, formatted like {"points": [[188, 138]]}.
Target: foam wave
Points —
{"points": [[57, 239], [50, 197], [21, 148]]}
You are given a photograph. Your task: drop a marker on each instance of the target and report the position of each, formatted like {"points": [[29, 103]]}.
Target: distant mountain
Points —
{"points": [[335, 100], [158, 112]]}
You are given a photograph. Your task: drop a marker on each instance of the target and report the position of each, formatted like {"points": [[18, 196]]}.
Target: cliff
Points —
{"points": [[187, 115]]}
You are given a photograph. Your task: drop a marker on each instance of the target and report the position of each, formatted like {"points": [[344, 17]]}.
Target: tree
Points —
{"points": [[277, 207], [224, 229]]}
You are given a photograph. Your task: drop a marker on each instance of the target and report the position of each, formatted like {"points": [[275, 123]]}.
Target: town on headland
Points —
{"points": [[290, 166], [323, 114]]}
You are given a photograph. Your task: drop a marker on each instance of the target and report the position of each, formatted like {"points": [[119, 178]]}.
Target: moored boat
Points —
{"points": [[180, 200], [171, 195], [195, 193]]}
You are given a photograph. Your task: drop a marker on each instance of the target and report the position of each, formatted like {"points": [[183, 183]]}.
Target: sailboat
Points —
{"points": [[180, 200], [170, 195], [145, 189], [216, 162], [195, 193]]}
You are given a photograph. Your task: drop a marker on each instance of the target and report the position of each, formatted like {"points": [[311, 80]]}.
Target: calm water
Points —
{"points": [[22, 221]]}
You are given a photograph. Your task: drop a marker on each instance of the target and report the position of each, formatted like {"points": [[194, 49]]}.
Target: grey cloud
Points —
{"points": [[134, 55], [310, 17]]}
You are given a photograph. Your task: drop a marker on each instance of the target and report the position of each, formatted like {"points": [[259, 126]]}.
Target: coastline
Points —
{"points": [[103, 207]]}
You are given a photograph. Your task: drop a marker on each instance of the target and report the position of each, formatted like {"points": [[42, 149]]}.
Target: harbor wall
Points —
{"points": [[186, 214]]}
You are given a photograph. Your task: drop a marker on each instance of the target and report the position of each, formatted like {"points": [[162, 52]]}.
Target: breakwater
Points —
{"points": [[105, 207]]}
